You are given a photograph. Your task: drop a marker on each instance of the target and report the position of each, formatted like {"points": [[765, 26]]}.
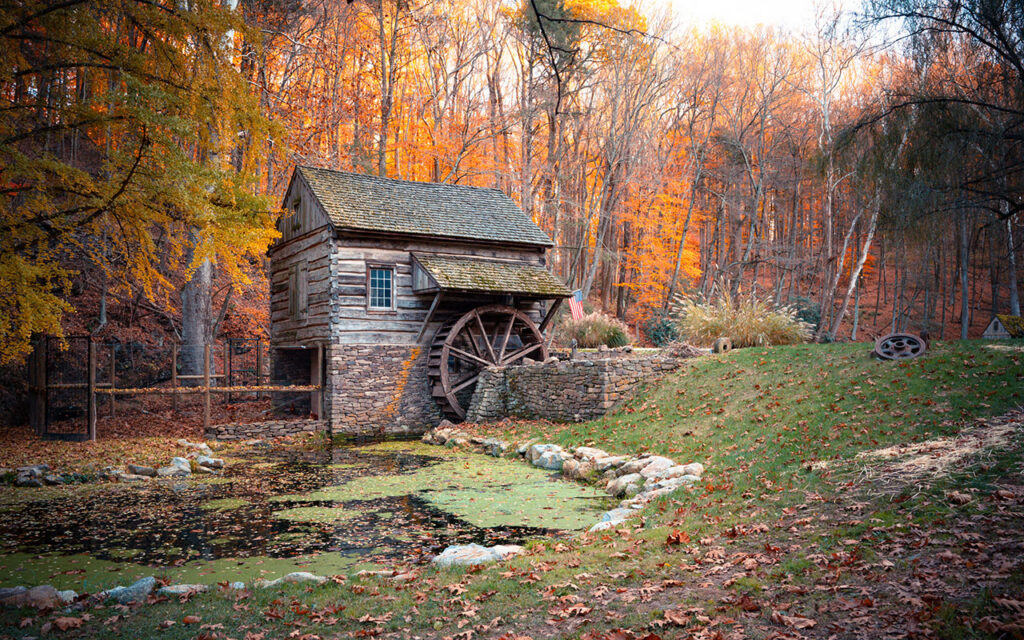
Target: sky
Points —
{"points": [[792, 14]]}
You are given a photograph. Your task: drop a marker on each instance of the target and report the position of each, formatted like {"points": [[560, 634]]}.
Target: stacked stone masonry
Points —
{"points": [[379, 390], [269, 429], [562, 391]]}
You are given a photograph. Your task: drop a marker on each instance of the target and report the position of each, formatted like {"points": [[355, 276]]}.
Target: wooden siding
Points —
{"points": [[352, 323], [313, 252], [302, 212]]}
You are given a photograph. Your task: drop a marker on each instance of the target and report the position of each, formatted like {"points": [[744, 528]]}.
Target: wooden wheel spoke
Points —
{"points": [[465, 382], [455, 367], [515, 355], [487, 339], [468, 357], [504, 341]]}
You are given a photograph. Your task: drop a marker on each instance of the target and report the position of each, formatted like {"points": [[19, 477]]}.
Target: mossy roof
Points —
{"points": [[461, 273], [1014, 325], [354, 201]]}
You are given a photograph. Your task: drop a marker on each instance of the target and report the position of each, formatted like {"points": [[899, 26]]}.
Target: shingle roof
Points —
{"points": [[368, 203], [491, 276]]}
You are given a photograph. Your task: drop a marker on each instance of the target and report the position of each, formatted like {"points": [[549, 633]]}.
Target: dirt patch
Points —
{"points": [[942, 455]]}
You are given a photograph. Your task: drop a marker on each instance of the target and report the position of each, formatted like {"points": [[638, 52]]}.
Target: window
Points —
{"points": [[380, 287], [298, 293]]}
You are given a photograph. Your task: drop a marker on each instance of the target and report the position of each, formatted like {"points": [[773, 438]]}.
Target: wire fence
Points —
{"points": [[74, 381]]}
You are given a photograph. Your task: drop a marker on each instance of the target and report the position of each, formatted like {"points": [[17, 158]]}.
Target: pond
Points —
{"points": [[277, 510]]}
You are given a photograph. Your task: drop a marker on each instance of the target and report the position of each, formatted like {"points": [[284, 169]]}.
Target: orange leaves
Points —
{"points": [[677, 537]]}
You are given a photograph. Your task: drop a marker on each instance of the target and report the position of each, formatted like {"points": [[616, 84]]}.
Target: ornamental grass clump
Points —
{"points": [[593, 330], [748, 323]]}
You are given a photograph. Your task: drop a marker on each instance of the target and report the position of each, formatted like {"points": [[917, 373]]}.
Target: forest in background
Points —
{"points": [[144, 147]]}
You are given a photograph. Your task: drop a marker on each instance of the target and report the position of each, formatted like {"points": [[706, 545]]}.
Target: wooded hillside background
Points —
{"points": [[144, 146]]}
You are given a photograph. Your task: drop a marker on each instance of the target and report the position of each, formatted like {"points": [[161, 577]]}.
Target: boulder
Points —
{"points": [[41, 597], [181, 589], [67, 597], [632, 466], [617, 515], [590, 453], [131, 477], [611, 462], [471, 554], [601, 526], [428, 438], [7, 592], [201, 447], [291, 578], [179, 467], [136, 592], [28, 481], [495, 447], [237, 585], [141, 470], [694, 469], [577, 469], [33, 470], [537, 450], [201, 469], [671, 472], [655, 465], [552, 459], [210, 463], [625, 484]]}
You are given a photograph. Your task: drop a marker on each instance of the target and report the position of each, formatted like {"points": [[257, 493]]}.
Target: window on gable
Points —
{"points": [[380, 287]]}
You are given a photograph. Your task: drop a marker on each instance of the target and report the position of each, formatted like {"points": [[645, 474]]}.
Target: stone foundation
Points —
{"points": [[562, 391], [379, 390], [269, 429]]}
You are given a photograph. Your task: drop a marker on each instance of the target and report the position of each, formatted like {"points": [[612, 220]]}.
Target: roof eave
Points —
{"points": [[339, 230]]}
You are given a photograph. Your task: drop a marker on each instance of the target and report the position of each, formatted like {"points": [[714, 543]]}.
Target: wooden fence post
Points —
{"points": [[259, 365], [37, 386], [113, 376], [226, 369], [316, 401], [206, 390], [92, 391], [174, 377]]}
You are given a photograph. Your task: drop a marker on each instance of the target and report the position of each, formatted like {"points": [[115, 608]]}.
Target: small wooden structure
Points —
{"points": [[411, 288], [1004, 326]]}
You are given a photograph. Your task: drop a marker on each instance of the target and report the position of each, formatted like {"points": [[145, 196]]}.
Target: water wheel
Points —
{"points": [[494, 335]]}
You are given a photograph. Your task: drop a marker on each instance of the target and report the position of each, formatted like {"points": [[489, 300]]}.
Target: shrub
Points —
{"points": [[807, 310], [660, 330], [749, 323], [592, 330]]}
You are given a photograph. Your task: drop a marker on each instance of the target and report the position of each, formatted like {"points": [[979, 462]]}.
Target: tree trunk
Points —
{"points": [[965, 308], [196, 318], [1012, 267]]}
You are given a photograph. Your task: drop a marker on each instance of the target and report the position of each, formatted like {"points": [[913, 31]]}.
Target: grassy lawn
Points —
{"points": [[789, 532]]}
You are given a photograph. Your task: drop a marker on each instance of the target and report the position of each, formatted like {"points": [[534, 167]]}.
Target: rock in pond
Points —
{"points": [[291, 578], [470, 554], [136, 592], [141, 470]]}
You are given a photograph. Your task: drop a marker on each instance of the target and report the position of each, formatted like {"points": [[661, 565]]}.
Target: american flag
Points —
{"points": [[576, 304]]}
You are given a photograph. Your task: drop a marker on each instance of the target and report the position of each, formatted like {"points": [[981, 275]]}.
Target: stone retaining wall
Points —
{"points": [[379, 390], [268, 429], [562, 391]]}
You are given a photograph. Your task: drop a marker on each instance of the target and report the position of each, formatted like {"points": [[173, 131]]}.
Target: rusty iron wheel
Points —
{"points": [[899, 346], [493, 335]]}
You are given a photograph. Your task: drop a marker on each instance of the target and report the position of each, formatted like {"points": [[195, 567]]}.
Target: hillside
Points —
{"points": [[843, 497]]}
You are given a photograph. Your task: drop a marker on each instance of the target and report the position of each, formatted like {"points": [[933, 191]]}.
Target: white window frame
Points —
{"points": [[378, 266]]}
